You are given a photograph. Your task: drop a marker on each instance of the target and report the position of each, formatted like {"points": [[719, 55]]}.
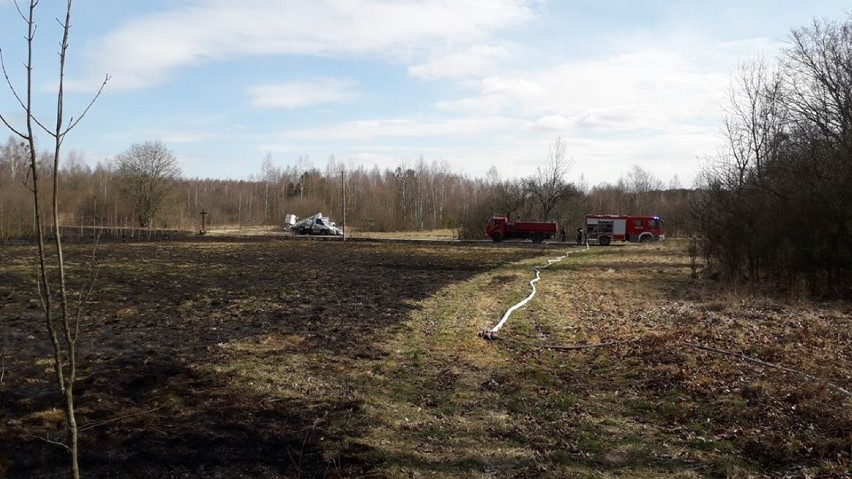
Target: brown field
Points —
{"points": [[230, 231], [276, 358]]}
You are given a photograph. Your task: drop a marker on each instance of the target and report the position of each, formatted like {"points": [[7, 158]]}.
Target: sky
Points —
{"points": [[473, 83]]}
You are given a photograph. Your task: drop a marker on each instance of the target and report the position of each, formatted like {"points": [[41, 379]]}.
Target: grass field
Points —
{"points": [[323, 359]]}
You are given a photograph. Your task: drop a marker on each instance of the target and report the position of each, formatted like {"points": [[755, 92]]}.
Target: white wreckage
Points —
{"points": [[313, 225]]}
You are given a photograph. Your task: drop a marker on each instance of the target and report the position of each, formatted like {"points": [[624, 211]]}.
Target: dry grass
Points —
{"points": [[236, 230], [443, 234], [324, 359], [232, 230], [447, 403]]}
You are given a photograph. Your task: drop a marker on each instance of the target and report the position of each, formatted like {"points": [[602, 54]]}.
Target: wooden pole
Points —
{"points": [[343, 194]]}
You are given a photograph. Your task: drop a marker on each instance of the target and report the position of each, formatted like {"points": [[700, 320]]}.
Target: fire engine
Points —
{"points": [[637, 229], [501, 227]]}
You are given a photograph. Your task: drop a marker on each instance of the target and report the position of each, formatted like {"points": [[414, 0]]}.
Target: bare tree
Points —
{"points": [[548, 186], [638, 185], [511, 196], [62, 324], [789, 133], [755, 119], [149, 171], [819, 67], [13, 161]]}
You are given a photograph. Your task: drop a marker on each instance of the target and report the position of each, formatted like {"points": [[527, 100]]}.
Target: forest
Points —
{"points": [[421, 196]]}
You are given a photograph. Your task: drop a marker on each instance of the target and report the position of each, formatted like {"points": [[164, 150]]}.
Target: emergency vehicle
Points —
{"points": [[501, 227], [637, 229]]}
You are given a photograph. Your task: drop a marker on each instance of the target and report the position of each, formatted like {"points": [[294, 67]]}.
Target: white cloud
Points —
{"points": [[476, 61], [167, 136], [369, 159], [404, 128], [632, 90], [147, 50], [186, 136], [666, 155], [551, 123], [299, 94]]}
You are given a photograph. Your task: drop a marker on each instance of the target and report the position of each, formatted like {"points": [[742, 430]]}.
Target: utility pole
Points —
{"points": [[343, 194]]}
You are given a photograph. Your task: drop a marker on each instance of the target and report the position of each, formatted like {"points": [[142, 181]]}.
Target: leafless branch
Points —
{"points": [[747, 359], [742, 357], [42, 297], [575, 347], [74, 122], [14, 93], [118, 418], [3, 356], [42, 438], [10, 127], [86, 292], [24, 182]]}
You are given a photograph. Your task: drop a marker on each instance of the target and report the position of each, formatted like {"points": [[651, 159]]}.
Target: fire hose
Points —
{"points": [[491, 333]]}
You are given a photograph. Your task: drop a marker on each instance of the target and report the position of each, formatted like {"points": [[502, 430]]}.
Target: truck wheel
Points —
{"points": [[537, 238], [496, 237], [645, 239], [604, 240]]}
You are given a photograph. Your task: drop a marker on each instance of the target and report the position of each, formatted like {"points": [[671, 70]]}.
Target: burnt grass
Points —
{"points": [[273, 358], [153, 397]]}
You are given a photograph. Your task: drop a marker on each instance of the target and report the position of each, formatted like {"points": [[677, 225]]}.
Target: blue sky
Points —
{"points": [[474, 83]]}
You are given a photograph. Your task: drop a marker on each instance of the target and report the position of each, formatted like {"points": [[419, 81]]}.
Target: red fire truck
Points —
{"points": [[638, 229], [501, 227]]}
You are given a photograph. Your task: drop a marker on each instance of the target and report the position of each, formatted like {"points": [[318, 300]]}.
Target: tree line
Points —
{"points": [[143, 188], [775, 207]]}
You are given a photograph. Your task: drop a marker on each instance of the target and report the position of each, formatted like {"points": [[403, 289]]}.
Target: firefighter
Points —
{"points": [[562, 234], [579, 235]]}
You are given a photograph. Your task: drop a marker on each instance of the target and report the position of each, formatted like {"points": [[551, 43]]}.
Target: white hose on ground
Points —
{"points": [[532, 293]]}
